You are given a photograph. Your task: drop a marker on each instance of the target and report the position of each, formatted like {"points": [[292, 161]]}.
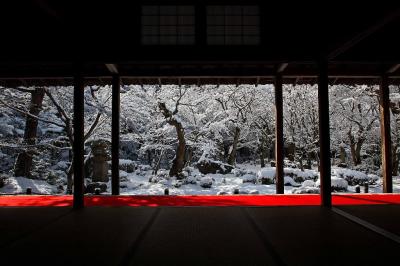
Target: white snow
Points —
{"points": [[336, 182], [308, 187], [249, 178], [289, 181], [348, 173], [266, 173], [16, 185], [61, 165], [296, 172], [306, 190], [125, 162], [206, 181], [308, 183]]}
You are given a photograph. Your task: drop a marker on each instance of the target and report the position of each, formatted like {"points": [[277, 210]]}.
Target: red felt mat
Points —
{"points": [[233, 200]]}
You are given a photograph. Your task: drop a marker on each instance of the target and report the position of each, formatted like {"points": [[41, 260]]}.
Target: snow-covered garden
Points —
{"points": [[192, 140]]}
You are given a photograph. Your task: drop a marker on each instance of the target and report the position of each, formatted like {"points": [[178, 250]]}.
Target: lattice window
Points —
{"points": [[168, 25], [233, 25]]}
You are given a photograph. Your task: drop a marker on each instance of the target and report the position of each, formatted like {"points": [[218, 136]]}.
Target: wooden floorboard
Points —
{"points": [[202, 236], [318, 236], [195, 236], [17, 222], [384, 216], [91, 236]]}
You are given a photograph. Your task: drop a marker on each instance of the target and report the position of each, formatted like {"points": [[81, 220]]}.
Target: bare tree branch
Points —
{"points": [[31, 115]]}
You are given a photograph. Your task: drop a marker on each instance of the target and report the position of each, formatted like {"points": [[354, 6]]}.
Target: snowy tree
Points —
{"points": [[355, 118], [301, 121], [395, 125], [264, 121]]}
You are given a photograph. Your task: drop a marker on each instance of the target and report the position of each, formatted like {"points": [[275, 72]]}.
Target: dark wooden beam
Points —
{"points": [[386, 143], [282, 67], [324, 135], [393, 68], [112, 68], [116, 83], [78, 145], [279, 152], [364, 34]]}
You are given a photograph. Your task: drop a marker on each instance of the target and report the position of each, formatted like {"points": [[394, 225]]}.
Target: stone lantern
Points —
{"points": [[99, 160]]}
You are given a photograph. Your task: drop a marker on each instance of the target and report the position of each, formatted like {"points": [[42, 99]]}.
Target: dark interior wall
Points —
{"points": [[98, 31]]}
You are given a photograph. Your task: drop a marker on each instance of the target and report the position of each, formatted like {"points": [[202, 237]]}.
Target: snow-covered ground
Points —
{"points": [[18, 185], [245, 179]]}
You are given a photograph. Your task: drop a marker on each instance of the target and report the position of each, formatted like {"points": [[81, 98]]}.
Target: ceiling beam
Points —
{"points": [[363, 35], [282, 67], [112, 68], [393, 68]]}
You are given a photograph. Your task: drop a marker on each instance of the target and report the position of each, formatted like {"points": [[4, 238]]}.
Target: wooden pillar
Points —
{"points": [[386, 145], [116, 83], [279, 152], [324, 135], [78, 145]]}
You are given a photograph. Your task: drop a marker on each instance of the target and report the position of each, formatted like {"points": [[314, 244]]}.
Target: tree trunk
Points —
{"points": [[301, 158], [149, 159], [358, 151], [353, 149], [262, 153], [395, 160], [342, 155], [179, 161], [291, 151], [23, 164], [232, 154], [189, 156], [70, 180], [157, 166]]}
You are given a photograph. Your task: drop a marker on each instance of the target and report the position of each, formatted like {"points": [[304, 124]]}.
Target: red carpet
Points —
{"points": [[234, 200]]}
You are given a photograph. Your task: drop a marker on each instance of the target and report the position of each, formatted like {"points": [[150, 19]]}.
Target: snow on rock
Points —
{"points": [[161, 175], [206, 182], [61, 165], [145, 167], [127, 165], [307, 187], [238, 172], [354, 177], [52, 129], [288, 181], [337, 183], [6, 130], [208, 166], [125, 161], [18, 185], [123, 174], [266, 175], [249, 178], [308, 183], [306, 190], [300, 176], [373, 178]]}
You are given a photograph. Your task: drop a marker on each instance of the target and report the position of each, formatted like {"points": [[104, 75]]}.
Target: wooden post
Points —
{"points": [[279, 154], [116, 83], [386, 145], [78, 146], [324, 135]]}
